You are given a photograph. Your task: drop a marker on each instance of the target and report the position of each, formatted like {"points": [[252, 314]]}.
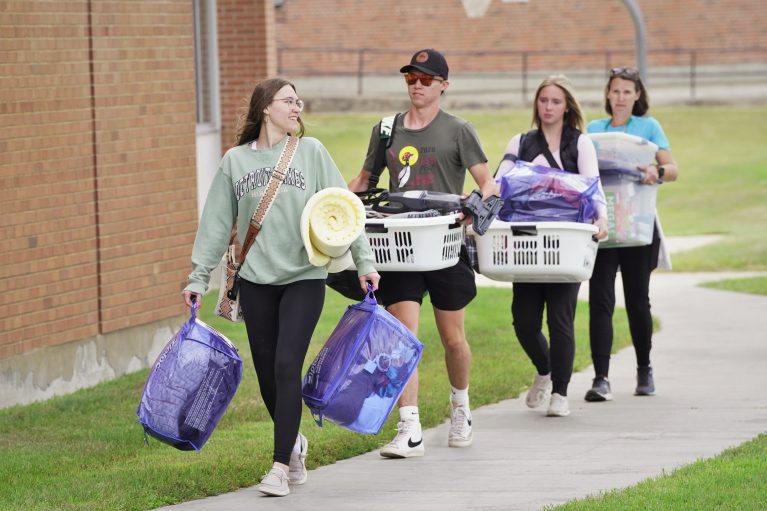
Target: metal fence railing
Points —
{"points": [[690, 68]]}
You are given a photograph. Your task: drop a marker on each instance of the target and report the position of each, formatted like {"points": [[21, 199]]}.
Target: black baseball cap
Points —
{"points": [[428, 61]]}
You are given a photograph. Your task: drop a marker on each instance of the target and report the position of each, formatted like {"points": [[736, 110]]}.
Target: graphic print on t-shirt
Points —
{"points": [[418, 170], [408, 156]]}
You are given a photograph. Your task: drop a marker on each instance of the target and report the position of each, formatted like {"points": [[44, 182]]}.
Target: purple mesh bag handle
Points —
{"points": [[193, 308], [370, 298]]}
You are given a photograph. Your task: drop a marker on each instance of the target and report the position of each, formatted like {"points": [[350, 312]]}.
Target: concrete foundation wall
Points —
{"points": [[58, 370]]}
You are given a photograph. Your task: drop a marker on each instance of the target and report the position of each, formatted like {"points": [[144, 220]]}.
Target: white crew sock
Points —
{"points": [[460, 396], [409, 413]]}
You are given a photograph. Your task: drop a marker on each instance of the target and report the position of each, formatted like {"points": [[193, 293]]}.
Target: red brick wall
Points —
{"points": [[568, 27], [48, 279], [97, 166], [246, 55], [145, 105]]}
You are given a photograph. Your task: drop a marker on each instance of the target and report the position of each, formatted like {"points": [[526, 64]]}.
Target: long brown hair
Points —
{"points": [[641, 105], [573, 115], [263, 95]]}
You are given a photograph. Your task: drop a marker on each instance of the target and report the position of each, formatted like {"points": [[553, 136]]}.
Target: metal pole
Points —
{"points": [[641, 48]]}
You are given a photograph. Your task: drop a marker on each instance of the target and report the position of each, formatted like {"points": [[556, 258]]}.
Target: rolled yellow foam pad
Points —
{"points": [[332, 219]]}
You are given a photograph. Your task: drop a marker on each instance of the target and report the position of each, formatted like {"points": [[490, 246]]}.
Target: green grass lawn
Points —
{"points": [[754, 286], [85, 451], [736, 480]]}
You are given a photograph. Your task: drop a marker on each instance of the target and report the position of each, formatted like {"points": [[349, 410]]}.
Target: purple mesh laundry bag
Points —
{"points": [[362, 369], [535, 193], [190, 386]]}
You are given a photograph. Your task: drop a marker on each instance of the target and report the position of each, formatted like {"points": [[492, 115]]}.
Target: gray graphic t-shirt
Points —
{"points": [[433, 158]]}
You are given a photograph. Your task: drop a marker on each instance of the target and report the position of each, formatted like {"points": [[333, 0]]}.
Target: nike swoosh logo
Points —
{"points": [[412, 444]]}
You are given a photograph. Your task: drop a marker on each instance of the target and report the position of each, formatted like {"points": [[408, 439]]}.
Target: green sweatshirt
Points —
{"points": [[278, 256]]}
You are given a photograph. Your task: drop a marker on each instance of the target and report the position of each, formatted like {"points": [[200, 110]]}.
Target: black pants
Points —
{"points": [[527, 312], [280, 321], [636, 264]]}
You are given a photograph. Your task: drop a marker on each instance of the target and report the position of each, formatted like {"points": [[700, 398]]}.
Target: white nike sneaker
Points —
{"points": [[407, 444], [540, 391], [297, 468], [460, 434]]}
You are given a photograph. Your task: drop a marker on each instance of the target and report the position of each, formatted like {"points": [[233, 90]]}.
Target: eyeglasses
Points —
{"points": [[426, 80], [299, 103], [628, 72]]}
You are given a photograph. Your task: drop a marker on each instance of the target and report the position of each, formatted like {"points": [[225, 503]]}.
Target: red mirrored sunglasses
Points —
{"points": [[426, 80]]}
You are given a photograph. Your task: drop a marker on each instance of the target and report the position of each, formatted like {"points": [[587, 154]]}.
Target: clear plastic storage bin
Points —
{"points": [[537, 252], [630, 208], [415, 244], [616, 150]]}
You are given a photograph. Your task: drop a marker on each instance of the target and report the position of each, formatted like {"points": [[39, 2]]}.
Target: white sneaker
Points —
{"points": [[558, 406], [407, 444], [274, 483], [540, 391], [460, 434], [297, 471]]}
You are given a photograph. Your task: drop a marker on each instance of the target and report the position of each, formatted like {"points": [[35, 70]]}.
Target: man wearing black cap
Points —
{"points": [[430, 150]]}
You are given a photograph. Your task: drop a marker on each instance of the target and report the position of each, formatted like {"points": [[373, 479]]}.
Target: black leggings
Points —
{"points": [[636, 264], [280, 321], [527, 312]]}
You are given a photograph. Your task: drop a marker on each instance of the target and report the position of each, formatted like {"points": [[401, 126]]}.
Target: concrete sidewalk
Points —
{"points": [[708, 359]]}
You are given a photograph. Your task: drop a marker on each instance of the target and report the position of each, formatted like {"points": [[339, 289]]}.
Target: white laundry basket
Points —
{"points": [[537, 251], [415, 244]]}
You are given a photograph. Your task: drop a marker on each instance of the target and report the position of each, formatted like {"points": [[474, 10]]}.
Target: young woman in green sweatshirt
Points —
{"points": [[281, 292]]}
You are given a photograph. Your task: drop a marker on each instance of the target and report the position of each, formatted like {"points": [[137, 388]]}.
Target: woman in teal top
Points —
{"points": [[627, 104]]}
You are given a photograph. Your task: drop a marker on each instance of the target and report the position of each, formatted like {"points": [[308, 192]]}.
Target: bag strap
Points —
{"points": [[547, 152], [386, 137], [276, 179]]}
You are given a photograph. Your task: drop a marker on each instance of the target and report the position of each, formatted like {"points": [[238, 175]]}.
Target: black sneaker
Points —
{"points": [[600, 390], [645, 383]]}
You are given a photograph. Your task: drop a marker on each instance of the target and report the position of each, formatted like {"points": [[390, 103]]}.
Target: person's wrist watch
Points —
{"points": [[661, 171]]}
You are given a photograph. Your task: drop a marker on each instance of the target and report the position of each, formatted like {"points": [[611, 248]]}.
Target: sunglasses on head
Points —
{"points": [[628, 72], [426, 80]]}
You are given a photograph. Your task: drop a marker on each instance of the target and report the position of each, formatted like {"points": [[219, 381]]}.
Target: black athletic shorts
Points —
{"points": [[450, 289]]}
